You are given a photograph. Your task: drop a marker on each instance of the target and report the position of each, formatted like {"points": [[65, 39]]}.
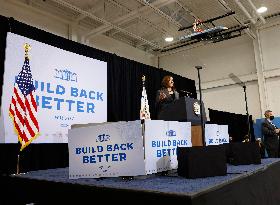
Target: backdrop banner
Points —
{"points": [[70, 88]]}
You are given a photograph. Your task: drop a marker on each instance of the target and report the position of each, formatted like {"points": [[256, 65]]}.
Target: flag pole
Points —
{"points": [[17, 173]]}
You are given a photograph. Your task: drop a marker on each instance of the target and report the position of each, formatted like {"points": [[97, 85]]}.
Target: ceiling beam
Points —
{"points": [[255, 10], [90, 15], [91, 10], [159, 12], [186, 9], [125, 18], [141, 18], [245, 11], [248, 31]]}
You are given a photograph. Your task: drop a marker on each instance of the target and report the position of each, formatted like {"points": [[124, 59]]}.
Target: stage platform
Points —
{"points": [[244, 184]]}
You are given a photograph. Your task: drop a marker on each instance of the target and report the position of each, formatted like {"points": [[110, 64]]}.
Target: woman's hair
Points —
{"points": [[165, 81]]}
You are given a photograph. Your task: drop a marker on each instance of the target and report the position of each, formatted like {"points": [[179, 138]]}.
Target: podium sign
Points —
{"points": [[184, 109], [162, 138], [216, 134], [106, 150]]}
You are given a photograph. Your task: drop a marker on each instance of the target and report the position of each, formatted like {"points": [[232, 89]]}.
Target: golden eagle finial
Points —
{"points": [[27, 48]]}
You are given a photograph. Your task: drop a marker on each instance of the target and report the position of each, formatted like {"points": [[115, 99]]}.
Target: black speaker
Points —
{"points": [[198, 162], [244, 153]]}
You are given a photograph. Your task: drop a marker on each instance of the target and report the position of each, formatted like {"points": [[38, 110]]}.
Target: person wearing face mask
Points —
{"points": [[166, 95], [270, 135]]}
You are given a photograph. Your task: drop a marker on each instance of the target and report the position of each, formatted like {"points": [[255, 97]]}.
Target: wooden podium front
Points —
{"points": [[196, 135], [183, 110]]}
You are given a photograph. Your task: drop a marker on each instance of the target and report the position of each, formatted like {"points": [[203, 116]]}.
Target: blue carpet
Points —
{"points": [[171, 184]]}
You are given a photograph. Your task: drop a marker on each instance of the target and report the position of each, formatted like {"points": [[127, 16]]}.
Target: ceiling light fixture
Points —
{"points": [[169, 39], [262, 9]]}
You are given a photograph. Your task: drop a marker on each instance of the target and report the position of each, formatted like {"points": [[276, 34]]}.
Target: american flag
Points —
{"points": [[144, 110], [23, 108]]}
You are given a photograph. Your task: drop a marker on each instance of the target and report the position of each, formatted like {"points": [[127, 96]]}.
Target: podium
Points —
{"points": [[186, 109]]}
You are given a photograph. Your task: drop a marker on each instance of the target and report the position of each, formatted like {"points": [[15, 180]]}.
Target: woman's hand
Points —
{"points": [[162, 95]]}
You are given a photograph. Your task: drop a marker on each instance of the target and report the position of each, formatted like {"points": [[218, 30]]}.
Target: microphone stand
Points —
{"points": [[242, 84], [200, 104], [248, 119]]}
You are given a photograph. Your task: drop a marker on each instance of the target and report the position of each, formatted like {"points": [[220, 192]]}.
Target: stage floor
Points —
{"points": [[243, 184], [172, 183]]}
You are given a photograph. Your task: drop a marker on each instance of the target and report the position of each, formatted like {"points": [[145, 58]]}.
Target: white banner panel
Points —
{"points": [[216, 134], [223, 134], [161, 141], [70, 88], [211, 134], [106, 150]]}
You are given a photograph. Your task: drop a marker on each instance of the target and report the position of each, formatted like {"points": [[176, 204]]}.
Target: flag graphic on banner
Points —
{"points": [[144, 111], [23, 108]]}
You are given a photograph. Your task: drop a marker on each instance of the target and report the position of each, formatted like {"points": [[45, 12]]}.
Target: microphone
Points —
{"points": [[184, 91], [198, 67]]}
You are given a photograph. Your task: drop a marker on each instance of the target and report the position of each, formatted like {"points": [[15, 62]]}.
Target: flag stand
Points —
{"points": [[18, 167], [17, 173]]}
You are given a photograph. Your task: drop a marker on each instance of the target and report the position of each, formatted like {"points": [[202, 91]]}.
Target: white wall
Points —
{"points": [[231, 98], [121, 49], [273, 91], [219, 59], [60, 27], [270, 43], [236, 56]]}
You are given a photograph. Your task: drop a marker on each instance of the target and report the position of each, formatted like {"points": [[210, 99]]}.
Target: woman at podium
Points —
{"points": [[166, 95]]}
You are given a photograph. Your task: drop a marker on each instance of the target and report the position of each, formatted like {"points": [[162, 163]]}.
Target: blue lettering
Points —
{"points": [[78, 150], [74, 92], [42, 86], [58, 100], [84, 150], [169, 143], [109, 147], [122, 156], [99, 148], [116, 147], [123, 147], [91, 95], [60, 90], [80, 106], [90, 107], [70, 102], [92, 159], [35, 83], [99, 96], [37, 100], [46, 103], [114, 157], [163, 152], [158, 153], [85, 159], [83, 93], [49, 88], [129, 146], [99, 158], [107, 157]]}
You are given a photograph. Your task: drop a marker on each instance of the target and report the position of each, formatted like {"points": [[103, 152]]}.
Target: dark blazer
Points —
{"points": [[270, 137], [164, 103]]}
